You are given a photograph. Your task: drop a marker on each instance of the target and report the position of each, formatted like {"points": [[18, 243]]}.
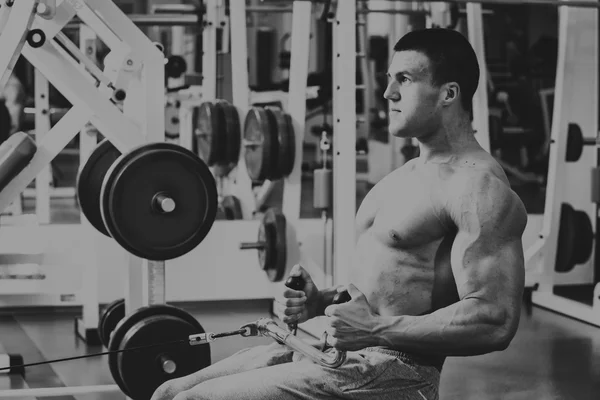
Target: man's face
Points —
{"points": [[413, 101]]}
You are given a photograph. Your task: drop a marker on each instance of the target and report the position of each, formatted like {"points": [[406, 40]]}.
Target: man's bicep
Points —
{"points": [[489, 267], [487, 255]]}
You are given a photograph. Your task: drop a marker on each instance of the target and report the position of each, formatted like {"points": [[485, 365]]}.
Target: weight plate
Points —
{"points": [[232, 132], [208, 125], [288, 156], [265, 253], [130, 201], [6, 122], [567, 237], [258, 144], [111, 316], [585, 237], [175, 67], [171, 121], [274, 127], [286, 140], [140, 373], [89, 182], [274, 257], [574, 143]]}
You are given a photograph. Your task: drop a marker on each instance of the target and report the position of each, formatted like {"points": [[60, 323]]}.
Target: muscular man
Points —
{"points": [[438, 265]]}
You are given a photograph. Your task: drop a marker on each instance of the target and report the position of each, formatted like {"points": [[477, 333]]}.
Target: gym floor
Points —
{"points": [[552, 356]]}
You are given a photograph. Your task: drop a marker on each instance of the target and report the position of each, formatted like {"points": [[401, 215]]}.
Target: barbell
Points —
{"points": [[158, 201]]}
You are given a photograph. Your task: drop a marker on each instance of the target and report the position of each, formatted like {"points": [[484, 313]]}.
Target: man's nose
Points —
{"points": [[391, 93]]}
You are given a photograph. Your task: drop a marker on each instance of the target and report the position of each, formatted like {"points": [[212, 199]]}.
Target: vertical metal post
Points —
{"points": [[178, 46], [209, 49], [241, 98], [480, 100], [87, 141], [296, 104], [145, 103], [42, 127], [344, 139]]}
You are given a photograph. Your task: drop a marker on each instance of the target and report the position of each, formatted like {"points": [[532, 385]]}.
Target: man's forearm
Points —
{"points": [[469, 327]]}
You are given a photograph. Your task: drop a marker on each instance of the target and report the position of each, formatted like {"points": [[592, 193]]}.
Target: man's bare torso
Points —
{"points": [[405, 235]]}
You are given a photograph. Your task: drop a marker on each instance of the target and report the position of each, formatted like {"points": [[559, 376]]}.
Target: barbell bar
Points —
{"points": [[150, 20], [286, 9], [558, 3]]}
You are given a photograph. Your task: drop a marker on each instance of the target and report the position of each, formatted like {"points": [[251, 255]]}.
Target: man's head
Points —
{"points": [[432, 71]]}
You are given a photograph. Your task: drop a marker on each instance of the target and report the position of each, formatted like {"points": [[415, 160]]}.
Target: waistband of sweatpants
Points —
{"points": [[409, 358]]}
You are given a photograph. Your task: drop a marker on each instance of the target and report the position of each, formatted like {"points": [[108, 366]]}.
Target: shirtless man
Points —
{"points": [[439, 265]]}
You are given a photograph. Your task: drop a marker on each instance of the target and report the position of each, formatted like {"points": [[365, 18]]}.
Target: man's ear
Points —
{"points": [[450, 93]]}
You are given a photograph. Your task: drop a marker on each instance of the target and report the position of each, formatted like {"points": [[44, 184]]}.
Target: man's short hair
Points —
{"points": [[451, 57]]}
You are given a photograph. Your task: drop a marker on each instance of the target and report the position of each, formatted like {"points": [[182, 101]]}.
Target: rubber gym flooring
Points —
{"points": [[552, 356]]}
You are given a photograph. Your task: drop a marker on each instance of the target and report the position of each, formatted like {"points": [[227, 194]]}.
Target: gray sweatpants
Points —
{"points": [[276, 372]]}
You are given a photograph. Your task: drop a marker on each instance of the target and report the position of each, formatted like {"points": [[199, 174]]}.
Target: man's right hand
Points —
{"points": [[297, 306]]}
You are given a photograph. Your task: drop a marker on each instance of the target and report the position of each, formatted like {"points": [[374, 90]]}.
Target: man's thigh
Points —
{"points": [[244, 360], [361, 377]]}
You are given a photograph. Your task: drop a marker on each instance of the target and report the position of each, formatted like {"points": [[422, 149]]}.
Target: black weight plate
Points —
{"points": [[274, 223], [286, 140], [585, 237], [233, 132], [171, 121], [89, 182], [274, 127], [207, 126], [6, 122], [128, 194], [111, 316], [574, 143], [258, 144], [287, 148], [142, 372], [200, 354], [567, 238], [265, 254], [219, 139], [175, 67]]}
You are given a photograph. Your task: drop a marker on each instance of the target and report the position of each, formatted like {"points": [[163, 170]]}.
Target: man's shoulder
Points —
{"points": [[473, 170], [484, 193]]}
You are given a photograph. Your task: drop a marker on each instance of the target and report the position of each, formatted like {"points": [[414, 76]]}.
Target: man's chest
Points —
{"points": [[406, 211]]}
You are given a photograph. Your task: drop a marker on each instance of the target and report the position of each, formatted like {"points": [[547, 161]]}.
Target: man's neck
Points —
{"points": [[453, 137]]}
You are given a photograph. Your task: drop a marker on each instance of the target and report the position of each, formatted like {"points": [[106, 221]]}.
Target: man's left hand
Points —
{"points": [[350, 325]]}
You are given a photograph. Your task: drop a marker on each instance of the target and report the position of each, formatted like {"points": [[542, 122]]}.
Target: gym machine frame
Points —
{"points": [[230, 259], [137, 69], [63, 75]]}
